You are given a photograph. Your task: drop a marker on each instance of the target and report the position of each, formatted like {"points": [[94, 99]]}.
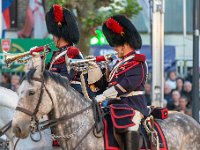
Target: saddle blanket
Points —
{"points": [[118, 118]]}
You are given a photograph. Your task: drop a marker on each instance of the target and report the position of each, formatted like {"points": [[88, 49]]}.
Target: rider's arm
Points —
{"points": [[132, 80]]}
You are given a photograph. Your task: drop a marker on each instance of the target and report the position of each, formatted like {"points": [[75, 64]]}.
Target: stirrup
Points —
{"points": [[152, 133]]}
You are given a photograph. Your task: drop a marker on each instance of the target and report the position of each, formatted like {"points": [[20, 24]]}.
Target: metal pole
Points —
{"points": [[184, 69], [195, 79], [1, 19], [1, 34], [150, 34], [158, 53], [184, 19]]}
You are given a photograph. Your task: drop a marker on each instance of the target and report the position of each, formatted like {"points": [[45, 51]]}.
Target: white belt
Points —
{"points": [[75, 82], [133, 93]]}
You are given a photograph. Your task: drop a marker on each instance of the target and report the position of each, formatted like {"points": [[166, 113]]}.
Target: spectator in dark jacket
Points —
{"points": [[179, 84], [188, 92], [174, 103], [5, 81]]}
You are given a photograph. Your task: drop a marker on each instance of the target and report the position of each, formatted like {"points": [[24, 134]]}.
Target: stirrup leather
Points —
{"points": [[152, 133]]}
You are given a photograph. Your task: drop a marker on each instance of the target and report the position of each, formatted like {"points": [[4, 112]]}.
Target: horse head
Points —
{"points": [[71, 115], [32, 98]]}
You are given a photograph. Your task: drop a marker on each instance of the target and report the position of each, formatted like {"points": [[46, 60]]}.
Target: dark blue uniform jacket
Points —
{"points": [[130, 76]]}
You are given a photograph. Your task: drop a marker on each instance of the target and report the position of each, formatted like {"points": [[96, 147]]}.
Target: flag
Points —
{"points": [[5, 15], [35, 25], [39, 27]]}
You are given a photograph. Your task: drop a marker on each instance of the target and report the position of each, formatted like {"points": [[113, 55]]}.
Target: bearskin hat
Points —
{"points": [[61, 23], [119, 30]]}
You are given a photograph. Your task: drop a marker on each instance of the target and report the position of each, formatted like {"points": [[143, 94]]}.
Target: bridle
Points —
{"points": [[53, 122], [30, 113]]}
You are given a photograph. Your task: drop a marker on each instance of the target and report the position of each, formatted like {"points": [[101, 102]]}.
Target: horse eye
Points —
{"points": [[31, 93]]}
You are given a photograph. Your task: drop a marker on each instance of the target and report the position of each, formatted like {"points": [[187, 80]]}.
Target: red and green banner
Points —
{"points": [[16, 46]]}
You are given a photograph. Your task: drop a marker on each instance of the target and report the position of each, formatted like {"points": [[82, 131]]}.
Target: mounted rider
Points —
{"points": [[62, 25], [126, 82]]}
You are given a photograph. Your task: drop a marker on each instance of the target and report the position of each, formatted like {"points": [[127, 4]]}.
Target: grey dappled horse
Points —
{"points": [[8, 103], [43, 92]]}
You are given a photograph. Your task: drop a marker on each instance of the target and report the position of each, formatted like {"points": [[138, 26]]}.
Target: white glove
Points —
{"points": [[109, 93], [100, 98]]}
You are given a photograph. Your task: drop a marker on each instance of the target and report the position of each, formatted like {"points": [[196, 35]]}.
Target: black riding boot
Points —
{"points": [[132, 139]]}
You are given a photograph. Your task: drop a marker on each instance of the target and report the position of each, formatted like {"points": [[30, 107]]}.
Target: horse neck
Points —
{"points": [[67, 101], [8, 98], [70, 103], [6, 115]]}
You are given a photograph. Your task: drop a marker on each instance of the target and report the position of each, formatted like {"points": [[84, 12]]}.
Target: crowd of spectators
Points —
{"points": [[177, 92], [10, 81]]}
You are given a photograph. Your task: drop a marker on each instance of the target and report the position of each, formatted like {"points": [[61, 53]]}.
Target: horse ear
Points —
{"points": [[35, 63]]}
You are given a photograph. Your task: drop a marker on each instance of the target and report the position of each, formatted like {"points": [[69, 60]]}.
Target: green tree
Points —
{"points": [[92, 13]]}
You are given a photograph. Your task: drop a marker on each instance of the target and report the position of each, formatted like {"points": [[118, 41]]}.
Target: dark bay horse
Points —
{"points": [[43, 92]]}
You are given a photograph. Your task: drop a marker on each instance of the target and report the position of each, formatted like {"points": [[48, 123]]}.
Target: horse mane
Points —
{"points": [[47, 74]]}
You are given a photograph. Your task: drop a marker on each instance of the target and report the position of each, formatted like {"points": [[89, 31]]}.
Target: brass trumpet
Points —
{"points": [[83, 64], [24, 57], [103, 58]]}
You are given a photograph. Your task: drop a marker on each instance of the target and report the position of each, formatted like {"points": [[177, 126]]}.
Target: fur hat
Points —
{"points": [[61, 23], [119, 30]]}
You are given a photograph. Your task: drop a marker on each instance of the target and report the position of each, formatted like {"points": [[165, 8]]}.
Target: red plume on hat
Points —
{"points": [[58, 14], [114, 26]]}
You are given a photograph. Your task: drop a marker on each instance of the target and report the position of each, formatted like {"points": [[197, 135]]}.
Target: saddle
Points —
{"points": [[152, 137]]}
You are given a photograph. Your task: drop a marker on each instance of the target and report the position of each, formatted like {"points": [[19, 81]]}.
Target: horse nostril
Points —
{"points": [[17, 130]]}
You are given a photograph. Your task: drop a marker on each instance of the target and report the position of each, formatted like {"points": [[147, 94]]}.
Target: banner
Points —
{"points": [[15, 46]]}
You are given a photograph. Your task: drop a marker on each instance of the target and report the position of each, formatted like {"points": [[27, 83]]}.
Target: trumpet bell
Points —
{"points": [[10, 58], [24, 57]]}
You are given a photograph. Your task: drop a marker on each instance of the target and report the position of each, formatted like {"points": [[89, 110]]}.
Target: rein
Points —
{"points": [[54, 122], [5, 128]]}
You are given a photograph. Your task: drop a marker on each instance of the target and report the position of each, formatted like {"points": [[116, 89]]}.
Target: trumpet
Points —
{"points": [[24, 57], [83, 64], [103, 58]]}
